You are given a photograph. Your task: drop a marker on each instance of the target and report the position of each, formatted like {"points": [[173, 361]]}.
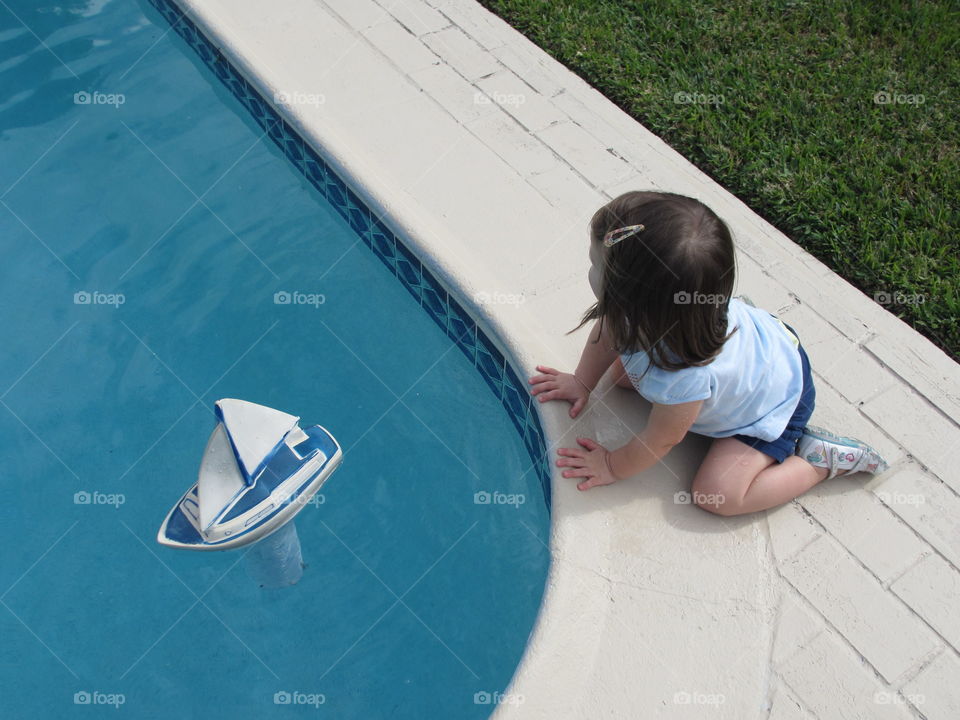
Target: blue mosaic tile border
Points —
{"points": [[438, 302]]}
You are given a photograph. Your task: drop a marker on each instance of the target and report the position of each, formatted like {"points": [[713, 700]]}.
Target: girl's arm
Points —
{"points": [[666, 426], [576, 388], [596, 358]]}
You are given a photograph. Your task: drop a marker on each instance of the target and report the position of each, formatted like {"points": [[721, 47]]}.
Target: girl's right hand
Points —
{"points": [[556, 385]]}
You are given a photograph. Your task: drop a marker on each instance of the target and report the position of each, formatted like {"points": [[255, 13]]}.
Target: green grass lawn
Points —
{"points": [[788, 118]]}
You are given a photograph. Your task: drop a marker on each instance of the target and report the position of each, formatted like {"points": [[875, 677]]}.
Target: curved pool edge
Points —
{"points": [[576, 632], [514, 336]]}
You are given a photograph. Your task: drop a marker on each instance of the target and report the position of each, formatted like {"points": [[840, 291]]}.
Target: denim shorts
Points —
{"points": [[786, 445]]}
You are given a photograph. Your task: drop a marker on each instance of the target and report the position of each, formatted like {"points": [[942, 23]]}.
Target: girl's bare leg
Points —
{"points": [[734, 479]]}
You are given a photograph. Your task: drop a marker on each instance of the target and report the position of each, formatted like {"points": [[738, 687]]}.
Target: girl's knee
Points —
{"points": [[716, 503], [714, 498], [726, 475]]}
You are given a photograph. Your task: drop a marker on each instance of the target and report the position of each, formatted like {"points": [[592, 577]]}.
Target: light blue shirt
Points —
{"points": [[751, 388]]}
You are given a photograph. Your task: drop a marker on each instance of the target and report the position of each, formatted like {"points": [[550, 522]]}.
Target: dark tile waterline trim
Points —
{"points": [[434, 298]]}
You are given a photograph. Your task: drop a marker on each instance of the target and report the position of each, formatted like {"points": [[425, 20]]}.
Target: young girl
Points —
{"points": [[662, 269]]}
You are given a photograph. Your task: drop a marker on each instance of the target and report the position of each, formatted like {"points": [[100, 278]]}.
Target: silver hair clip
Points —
{"points": [[615, 236]]}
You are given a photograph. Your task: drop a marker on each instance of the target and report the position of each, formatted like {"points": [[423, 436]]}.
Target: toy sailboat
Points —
{"points": [[258, 471]]}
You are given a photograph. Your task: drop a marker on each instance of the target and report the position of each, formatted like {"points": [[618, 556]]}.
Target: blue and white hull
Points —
{"points": [[245, 493]]}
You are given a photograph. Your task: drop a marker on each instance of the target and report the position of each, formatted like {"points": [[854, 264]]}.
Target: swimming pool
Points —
{"points": [[161, 251]]}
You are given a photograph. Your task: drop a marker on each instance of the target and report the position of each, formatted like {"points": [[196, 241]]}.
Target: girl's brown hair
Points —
{"points": [[665, 290]]}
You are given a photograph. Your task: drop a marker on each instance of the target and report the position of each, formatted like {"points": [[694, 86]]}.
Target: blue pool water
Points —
{"points": [[145, 236]]}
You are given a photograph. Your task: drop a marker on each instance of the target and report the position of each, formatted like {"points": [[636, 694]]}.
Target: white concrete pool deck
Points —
{"points": [[491, 157]]}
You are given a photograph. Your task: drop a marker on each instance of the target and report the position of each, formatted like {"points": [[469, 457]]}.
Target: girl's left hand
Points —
{"points": [[592, 463]]}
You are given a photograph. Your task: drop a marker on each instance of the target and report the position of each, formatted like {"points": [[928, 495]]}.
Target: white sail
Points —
{"points": [[220, 478], [254, 430]]}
